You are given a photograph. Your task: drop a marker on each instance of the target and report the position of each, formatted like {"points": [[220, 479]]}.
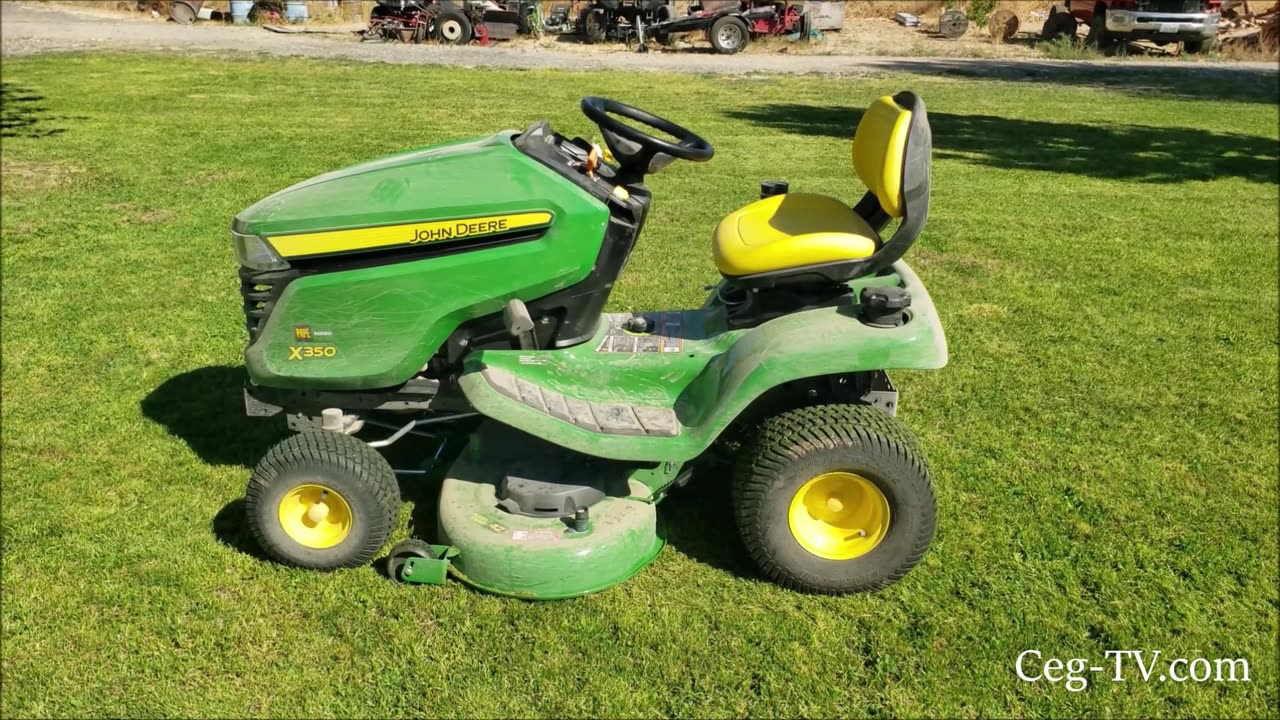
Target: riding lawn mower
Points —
{"points": [[391, 300]]}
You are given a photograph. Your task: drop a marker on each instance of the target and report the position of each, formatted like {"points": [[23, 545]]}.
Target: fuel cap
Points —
{"points": [[884, 306]]}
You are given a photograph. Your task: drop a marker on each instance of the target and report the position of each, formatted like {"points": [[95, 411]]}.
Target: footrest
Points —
{"points": [[609, 419]]}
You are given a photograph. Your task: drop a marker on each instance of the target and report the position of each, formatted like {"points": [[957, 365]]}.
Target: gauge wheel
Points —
{"points": [[834, 499], [729, 35], [402, 553], [452, 28], [322, 500]]}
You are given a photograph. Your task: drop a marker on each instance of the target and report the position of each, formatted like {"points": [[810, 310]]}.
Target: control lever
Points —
{"points": [[519, 323]]}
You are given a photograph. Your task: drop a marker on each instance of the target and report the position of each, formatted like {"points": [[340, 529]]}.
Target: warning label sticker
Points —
{"points": [[533, 535], [652, 332]]}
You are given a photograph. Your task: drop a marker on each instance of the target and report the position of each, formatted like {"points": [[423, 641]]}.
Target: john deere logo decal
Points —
{"points": [[443, 231], [391, 236]]}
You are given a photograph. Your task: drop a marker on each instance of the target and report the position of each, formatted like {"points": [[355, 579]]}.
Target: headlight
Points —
{"points": [[256, 253]]}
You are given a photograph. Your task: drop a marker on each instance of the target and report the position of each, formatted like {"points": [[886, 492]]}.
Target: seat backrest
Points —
{"points": [[880, 152]]}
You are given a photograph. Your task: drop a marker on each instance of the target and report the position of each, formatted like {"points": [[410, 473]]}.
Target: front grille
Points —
{"points": [[260, 290], [1170, 6]]}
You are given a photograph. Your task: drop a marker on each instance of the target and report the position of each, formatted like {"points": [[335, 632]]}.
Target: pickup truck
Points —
{"points": [[1194, 23]]}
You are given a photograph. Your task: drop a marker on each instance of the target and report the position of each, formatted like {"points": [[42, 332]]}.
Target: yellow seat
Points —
{"points": [[792, 230], [801, 230]]}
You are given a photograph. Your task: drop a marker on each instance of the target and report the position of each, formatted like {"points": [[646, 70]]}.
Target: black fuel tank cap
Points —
{"points": [[884, 305]]}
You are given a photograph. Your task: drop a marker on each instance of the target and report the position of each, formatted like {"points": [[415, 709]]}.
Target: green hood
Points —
{"points": [[460, 179]]}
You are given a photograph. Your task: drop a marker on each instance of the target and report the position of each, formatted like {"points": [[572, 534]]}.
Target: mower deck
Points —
{"points": [[544, 557]]}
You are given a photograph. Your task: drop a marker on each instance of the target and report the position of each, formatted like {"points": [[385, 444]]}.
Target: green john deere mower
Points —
{"points": [[456, 292]]}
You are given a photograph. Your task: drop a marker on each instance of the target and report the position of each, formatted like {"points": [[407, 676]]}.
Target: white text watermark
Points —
{"points": [[1125, 665]]}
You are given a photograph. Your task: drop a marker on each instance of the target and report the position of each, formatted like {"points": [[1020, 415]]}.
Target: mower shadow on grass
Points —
{"points": [[205, 409], [230, 528], [698, 520], [1136, 153]]}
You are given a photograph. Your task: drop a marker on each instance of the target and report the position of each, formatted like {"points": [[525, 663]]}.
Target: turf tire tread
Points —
{"points": [[341, 452], [791, 435]]}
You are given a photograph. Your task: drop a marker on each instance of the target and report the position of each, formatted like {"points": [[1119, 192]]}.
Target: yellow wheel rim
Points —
{"points": [[315, 516], [839, 516]]}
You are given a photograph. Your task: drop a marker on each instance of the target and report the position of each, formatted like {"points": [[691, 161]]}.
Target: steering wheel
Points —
{"points": [[639, 152]]}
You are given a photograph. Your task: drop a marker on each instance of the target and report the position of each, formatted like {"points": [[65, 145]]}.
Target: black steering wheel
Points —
{"points": [[639, 152]]}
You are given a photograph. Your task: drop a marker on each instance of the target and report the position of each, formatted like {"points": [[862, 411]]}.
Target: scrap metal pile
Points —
{"points": [[452, 23], [1242, 28], [728, 26]]}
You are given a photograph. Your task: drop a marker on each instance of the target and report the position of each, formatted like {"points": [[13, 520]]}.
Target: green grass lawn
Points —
{"points": [[1104, 440]]}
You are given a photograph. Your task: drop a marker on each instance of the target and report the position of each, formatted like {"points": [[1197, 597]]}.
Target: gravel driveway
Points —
{"points": [[27, 29]]}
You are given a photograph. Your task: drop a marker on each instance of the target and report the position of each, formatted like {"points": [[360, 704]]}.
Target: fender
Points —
{"points": [[706, 385]]}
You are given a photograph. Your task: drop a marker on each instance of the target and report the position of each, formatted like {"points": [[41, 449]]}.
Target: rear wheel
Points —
{"points": [[664, 13], [453, 28], [322, 500], [1060, 23], [834, 499], [594, 27], [729, 35]]}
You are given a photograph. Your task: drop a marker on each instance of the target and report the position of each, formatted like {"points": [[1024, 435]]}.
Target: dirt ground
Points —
{"points": [[866, 44], [868, 30]]}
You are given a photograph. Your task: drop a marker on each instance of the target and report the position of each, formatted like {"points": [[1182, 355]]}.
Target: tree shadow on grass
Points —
{"points": [[1137, 153], [23, 114], [1182, 80]]}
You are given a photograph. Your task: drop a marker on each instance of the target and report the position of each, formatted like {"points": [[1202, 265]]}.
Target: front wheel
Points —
{"points": [[452, 28], [322, 500], [834, 499], [1099, 37], [1059, 23], [729, 35]]}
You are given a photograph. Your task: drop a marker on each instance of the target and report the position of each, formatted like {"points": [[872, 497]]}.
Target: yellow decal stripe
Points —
{"points": [[372, 238]]}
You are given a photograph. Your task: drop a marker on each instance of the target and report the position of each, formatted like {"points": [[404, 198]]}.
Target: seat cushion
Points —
{"points": [[879, 151], [789, 231]]}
